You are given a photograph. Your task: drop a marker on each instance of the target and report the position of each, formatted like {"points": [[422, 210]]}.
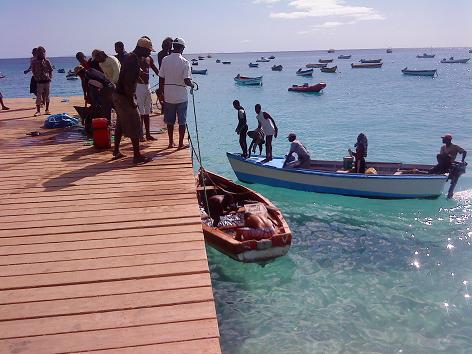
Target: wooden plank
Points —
{"points": [[90, 276], [106, 320], [86, 290], [113, 338], [105, 303]]}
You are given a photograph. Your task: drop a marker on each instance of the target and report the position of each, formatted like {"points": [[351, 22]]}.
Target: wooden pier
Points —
{"points": [[98, 255]]}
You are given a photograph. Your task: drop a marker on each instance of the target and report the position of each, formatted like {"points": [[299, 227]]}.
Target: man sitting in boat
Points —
{"points": [[257, 227], [447, 155], [360, 154], [296, 147]]}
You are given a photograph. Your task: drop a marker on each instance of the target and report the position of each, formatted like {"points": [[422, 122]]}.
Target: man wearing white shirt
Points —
{"points": [[174, 77]]}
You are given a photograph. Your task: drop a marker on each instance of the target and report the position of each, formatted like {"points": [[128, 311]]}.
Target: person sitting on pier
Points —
{"points": [[242, 127], [257, 137], [447, 155], [360, 154], [257, 227], [296, 147]]}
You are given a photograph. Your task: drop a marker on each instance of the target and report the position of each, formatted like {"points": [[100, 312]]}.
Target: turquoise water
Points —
{"points": [[362, 275]]}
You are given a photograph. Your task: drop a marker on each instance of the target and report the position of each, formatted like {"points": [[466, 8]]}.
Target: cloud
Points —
{"points": [[265, 1], [325, 8], [327, 25]]}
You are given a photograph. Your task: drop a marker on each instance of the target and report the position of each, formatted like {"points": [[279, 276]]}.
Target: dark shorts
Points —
{"points": [[128, 119], [175, 110]]}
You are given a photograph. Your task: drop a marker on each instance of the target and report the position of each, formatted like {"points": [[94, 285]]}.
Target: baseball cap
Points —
{"points": [[179, 41], [145, 43], [447, 136], [291, 135]]}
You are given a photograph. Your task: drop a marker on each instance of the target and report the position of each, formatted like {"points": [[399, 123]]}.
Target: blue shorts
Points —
{"points": [[173, 110]]}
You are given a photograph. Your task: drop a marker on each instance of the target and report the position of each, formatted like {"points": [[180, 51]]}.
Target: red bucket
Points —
{"points": [[101, 133]]}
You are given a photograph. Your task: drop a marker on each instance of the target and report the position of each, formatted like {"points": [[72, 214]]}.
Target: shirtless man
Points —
{"points": [[257, 227], [143, 92]]}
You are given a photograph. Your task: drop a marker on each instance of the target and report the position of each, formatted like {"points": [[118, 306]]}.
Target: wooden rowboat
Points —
{"points": [[199, 72], [370, 61], [316, 65], [223, 237], [253, 65], [308, 72], [366, 65], [308, 88], [325, 61], [344, 56], [277, 68], [431, 73], [451, 60], [248, 81], [329, 70], [426, 56]]}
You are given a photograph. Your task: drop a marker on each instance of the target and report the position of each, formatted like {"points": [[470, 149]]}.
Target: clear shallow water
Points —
{"points": [[362, 275]]}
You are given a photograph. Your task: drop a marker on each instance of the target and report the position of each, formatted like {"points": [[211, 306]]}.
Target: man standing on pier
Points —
{"points": [[42, 72], [174, 77], [128, 122]]}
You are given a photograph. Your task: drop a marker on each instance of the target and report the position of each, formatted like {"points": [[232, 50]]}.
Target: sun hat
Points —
{"points": [[179, 41], [143, 42]]}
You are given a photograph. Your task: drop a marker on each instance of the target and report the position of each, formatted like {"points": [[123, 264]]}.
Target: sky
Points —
{"points": [[64, 27]]}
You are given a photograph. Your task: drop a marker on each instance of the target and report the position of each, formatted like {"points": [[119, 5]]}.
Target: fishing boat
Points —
{"points": [[329, 70], [393, 181], [426, 56], [201, 57], [199, 72], [253, 65], [72, 77], [209, 56], [225, 236], [248, 81], [470, 50], [307, 88], [271, 57], [225, 62], [218, 60], [325, 61], [366, 65], [277, 68], [451, 60], [194, 59], [344, 56], [262, 60], [308, 72], [431, 73], [389, 50], [195, 63], [2, 76], [370, 61], [331, 50], [61, 71], [316, 65]]}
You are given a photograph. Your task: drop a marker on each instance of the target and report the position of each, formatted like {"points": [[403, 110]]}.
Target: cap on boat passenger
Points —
{"points": [[447, 136], [179, 41], [291, 135], [144, 42]]}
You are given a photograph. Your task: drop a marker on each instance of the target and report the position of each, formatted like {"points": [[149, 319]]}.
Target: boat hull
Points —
{"points": [[366, 65], [455, 61], [313, 88], [430, 73], [200, 72], [352, 184], [344, 57], [248, 81]]}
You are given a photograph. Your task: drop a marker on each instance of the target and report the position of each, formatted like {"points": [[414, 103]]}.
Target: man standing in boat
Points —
{"points": [[296, 147], [447, 155], [267, 123], [242, 127]]}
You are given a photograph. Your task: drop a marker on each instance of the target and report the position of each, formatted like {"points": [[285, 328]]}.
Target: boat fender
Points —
{"points": [[264, 244]]}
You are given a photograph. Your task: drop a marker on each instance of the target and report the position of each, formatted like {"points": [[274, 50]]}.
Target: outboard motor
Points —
{"points": [[456, 170]]}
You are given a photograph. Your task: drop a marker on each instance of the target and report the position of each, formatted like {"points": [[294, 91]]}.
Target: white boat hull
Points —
{"points": [[351, 184]]}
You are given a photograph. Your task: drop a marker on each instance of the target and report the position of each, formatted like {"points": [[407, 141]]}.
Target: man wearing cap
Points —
{"points": [[296, 147], [128, 122], [174, 77], [447, 155]]}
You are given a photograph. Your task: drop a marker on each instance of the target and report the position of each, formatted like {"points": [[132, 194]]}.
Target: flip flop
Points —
{"points": [[181, 147], [141, 160], [118, 156]]}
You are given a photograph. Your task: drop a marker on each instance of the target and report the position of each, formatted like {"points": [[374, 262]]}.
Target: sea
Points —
{"points": [[362, 275]]}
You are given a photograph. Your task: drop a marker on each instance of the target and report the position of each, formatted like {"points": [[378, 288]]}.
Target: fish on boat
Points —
{"points": [[307, 88], [225, 62], [316, 65], [307, 72], [253, 65], [366, 65], [424, 56], [389, 50], [199, 72], [61, 71], [248, 81], [325, 61], [271, 57], [392, 181], [451, 60], [344, 56], [431, 73], [225, 236], [329, 70], [262, 60], [277, 68], [370, 61], [331, 50]]}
